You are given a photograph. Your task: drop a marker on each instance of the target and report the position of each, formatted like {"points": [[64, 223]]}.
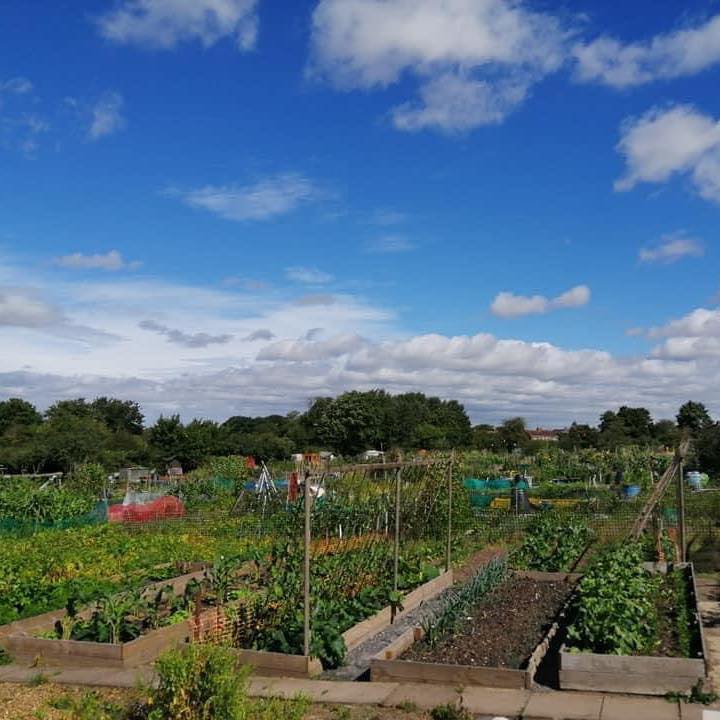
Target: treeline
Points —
{"points": [[112, 432]]}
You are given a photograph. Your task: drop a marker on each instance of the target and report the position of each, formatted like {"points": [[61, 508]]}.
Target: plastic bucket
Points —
{"points": [[631, 491]]}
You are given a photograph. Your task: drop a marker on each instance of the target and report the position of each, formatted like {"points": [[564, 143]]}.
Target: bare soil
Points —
{"points": [[503, 629]]}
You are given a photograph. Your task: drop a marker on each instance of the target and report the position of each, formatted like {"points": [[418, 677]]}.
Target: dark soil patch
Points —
{"points": [[504, 628]]}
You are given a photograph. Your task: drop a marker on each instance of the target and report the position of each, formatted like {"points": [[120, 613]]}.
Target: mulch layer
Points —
{"points": [[503, 629]]}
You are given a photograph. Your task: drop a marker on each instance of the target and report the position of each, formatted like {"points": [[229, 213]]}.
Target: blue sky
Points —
{"points": [[231, 206]]}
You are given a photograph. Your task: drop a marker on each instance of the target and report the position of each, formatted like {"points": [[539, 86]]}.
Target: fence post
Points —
{"points": [[681, 510], [307, 498], [396, 549], [448, 554]]}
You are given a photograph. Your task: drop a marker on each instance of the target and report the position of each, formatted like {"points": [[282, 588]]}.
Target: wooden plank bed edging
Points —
{"points": [[635, 674], [382, 619], [46, 621], [386, 667]]}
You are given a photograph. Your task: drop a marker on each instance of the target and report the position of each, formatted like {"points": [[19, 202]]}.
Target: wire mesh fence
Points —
{"points": [[293, 566]]}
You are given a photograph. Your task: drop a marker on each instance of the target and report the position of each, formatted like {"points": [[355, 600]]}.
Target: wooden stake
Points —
{"points": [[681, 510], [307, 565], [448, 554], [396, 551]]}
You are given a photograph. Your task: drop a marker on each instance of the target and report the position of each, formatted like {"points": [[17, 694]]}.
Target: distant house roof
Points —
{"points": [[544, 435]]}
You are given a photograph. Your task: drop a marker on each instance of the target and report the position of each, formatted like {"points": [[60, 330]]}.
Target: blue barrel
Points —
{"points": [[694, 479], [631, 491]]}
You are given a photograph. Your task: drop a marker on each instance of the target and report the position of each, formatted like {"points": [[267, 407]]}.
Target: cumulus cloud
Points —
{"points": [[164, 24], [20, 307], [672, 248], [107, 117], [311, 351], [189, 340], [509, 305], [111, 261], [388, 244], [665, 142], [308, 275], [670, 55], [262, 334], [695, 335], [474, 60], [269, 198]]}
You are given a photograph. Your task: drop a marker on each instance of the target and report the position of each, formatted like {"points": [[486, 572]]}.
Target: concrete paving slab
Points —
{"points": [[424, 697], [696, 712], [322, 691], [626, 708], [495, 702], [563, 706]]}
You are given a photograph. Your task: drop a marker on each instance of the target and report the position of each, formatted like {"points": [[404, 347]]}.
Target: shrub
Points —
{"points": [[551, 544], [200, 682]]}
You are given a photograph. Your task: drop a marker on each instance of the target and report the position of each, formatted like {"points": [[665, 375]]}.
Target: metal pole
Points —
{"points": [[681, 499], [448, 555], [396, 550], [307, 565]]}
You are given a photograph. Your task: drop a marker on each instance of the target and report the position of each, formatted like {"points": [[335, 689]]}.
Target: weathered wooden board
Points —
{"points": [[422, 672], [271, 664], [632, 684], [381, 620]]}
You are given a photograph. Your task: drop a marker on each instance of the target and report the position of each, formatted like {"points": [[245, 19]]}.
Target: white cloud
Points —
{"points": [[475, 60], [20, 307], [111, 261], [164, 24], [261, 334], [16, 86], [188, 340], [676, 54], [312, 350], [269, 198], [508, 305], [107, 117], [389, 244], [672, 248], [314, 299], [666, 142], [308, 275]]}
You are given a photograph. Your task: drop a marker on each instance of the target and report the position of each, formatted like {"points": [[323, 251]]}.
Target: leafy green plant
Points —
{"points": [[615, 608], [5, 657], [551, 544], [451, 711]]}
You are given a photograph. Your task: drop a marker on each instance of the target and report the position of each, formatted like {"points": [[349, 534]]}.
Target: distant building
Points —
{"points": [[544, 435], [134, 474], [175, 469], [373, 455]]}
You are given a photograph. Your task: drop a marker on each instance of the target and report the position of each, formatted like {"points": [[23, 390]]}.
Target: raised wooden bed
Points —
{"points": [[637, 674], [272, 664], [387, 666], [19, 637]]}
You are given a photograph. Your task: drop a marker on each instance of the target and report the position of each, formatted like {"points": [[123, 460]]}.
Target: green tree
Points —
{"points": [[693, 417], [665, 433], [67, 439], [579, 437], [485, 437], [167, 439], [118, 415], [67, 408], [513, 434], [17, 412], [708, 448]]}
